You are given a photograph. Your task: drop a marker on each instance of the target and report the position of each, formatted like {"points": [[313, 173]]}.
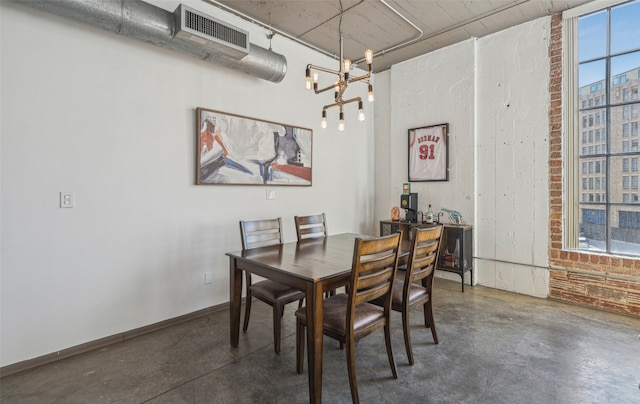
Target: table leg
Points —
{"points": [[235, 298], [315, 315]]}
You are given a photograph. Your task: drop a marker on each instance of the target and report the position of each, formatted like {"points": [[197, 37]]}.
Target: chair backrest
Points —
{"points": [[423, 257], [374, 267], [260, 233], [311, 226]]}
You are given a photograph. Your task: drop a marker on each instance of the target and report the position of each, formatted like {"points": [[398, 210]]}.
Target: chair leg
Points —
{"points": [[407, 334], [247, 311], [300, 331], [351, 367], [392, 361], [278, 311], [429, 321]]}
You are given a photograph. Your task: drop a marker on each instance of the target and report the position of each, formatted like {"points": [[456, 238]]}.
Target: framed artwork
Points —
{"points": [[238, 150], [429, 153]]}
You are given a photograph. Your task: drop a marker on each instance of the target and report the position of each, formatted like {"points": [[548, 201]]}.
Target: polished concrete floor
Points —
{"points": [[495, 347]]}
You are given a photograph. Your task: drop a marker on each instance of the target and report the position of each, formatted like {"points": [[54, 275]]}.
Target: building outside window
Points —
{"points": [[608, 51]]}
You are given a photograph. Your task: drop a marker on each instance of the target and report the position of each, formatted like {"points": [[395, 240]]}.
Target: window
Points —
{"points": [[605, 42], [629, 219], [593, 216], [620, 80]]}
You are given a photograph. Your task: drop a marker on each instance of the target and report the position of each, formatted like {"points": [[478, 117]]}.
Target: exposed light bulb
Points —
{"points": [[341, 123], [368, 55], [360, 111], [370, 98], [307, 82], [315, 77], [347, 65], [324, 120]]}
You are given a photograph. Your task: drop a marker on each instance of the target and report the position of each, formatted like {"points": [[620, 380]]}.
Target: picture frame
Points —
{"points": [[238, 150], [429, 153]]}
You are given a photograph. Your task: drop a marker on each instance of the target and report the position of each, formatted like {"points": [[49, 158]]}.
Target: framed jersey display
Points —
{"points": [[429, 153]]}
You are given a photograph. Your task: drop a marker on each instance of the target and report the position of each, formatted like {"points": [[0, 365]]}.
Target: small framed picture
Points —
{"points": [[429, 153]]}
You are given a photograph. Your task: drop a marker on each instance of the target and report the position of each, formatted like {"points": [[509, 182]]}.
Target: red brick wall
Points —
{"points": [[601, 281]]}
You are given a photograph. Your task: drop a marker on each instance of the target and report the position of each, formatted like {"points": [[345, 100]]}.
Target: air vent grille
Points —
{"points": [[218, 37], [214, 29]]}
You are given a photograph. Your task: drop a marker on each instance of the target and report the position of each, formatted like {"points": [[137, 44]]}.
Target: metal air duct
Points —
{"points": [[148, 23]]}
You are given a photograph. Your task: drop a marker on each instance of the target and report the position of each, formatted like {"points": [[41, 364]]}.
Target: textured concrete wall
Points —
{"points": [[512, 150]]}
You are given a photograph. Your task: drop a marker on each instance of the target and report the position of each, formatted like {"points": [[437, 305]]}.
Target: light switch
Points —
{"points": [[271, 194], [67, 200]]}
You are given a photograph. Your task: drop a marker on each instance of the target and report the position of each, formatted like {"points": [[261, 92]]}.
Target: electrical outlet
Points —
{"points": [[67, 200], [208, 278]]}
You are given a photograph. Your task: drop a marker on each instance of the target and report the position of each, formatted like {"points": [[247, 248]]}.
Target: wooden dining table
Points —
{"points": [[311, 265]]}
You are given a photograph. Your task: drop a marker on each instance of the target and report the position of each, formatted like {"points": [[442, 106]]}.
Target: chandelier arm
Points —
{"points": [[341, 103], [322, 90], [322, 69], [359, 78]]}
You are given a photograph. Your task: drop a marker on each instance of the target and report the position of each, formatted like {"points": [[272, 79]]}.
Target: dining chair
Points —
{"points": [[312, 226], [348, 317], [262, 233], [407, 293]]}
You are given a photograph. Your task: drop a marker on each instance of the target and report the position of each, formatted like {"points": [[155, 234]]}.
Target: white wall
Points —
{"points": [[512, 198], [493, 92], [431, 89], [113, 120]]}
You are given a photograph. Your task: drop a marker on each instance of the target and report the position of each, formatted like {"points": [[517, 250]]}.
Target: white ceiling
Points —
{"points": [[396, 30]]}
